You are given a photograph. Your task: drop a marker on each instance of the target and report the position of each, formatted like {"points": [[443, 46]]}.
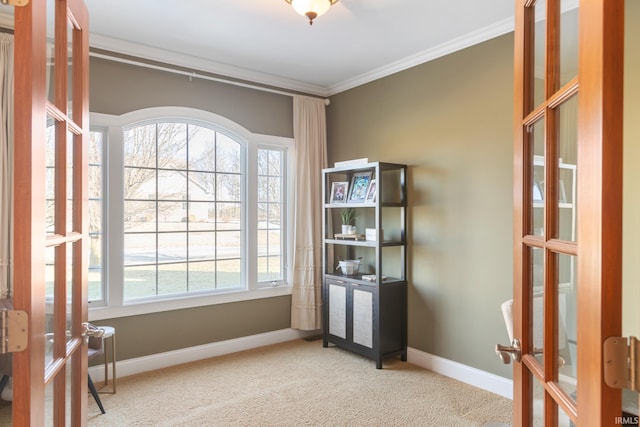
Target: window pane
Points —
{"points": [[139, 248], [202, 246], [229, 188], [269, 269], [202, 276], [227, 154], [172, 216], [95, 218], [172, 279], [139, 216], [172, 247], [202, 216], [270, 198], [228, 216], [202, 186], [172, 145], [172, 185], [275, 186], [95, 268], [140, 146], [139, 183], [274, 216], [263, 188], [275, 162], [228, 244], [228, 274], [202, 146], [139, 282]]}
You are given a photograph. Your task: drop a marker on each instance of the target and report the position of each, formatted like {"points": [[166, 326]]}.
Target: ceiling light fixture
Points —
{"points": [[311, 8]]}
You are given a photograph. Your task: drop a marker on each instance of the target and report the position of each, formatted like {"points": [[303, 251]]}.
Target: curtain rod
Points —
{"points": [[194, 75]]}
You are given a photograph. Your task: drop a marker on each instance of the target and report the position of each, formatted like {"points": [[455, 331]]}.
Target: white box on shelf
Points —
{"points": [[370, 234]]}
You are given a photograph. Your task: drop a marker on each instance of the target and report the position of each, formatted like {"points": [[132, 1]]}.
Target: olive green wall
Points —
{"points": [[450, 121], [172, 330], [117, 88]]}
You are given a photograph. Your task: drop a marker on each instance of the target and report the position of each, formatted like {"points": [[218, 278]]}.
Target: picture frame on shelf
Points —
{"points": [[371, 192], [359, 186], [339, 192]]}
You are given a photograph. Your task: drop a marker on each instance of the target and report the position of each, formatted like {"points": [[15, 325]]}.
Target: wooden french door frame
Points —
{"points": [[31, 371], [600, 113], [598, 246]]}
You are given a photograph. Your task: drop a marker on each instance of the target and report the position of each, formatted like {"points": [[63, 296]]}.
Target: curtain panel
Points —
{"points": [[310, 137], [6, 161]]}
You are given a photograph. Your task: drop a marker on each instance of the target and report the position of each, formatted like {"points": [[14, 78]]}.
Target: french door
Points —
{"points": [[568, 208], [50, 228]]}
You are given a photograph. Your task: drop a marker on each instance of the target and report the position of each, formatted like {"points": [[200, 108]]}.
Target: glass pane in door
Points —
{"points": [[563, 418], [69, 71], [50, 175], [536, 136], [567, 324], [70, 183], [568, 41], [537, 301], [50, 52], [50, 396], [567, 137], [537, 404], [539, 45], [50, 273], [69, 289]]}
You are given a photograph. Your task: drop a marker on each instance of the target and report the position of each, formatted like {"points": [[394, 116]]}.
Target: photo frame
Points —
{"points": [[359, 186], [339, 192], [371, 192]]}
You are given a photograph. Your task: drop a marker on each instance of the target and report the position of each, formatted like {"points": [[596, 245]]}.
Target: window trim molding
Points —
{"points": [[113, 126]]}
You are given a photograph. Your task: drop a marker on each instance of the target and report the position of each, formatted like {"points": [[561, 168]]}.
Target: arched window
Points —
{"points": [[204, 208]]}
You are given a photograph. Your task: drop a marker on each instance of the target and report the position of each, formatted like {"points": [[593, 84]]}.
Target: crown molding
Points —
{"points": [[124, 47], [468, 40]]}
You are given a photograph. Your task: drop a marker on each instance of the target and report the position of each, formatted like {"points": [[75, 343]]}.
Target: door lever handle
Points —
{"points": [[509, 353]]}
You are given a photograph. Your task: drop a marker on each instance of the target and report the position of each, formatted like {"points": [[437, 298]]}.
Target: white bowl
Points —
{"points": [[349, 267]]}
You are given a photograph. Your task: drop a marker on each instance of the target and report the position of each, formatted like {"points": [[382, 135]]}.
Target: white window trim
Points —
{"points": [[113, 237]]}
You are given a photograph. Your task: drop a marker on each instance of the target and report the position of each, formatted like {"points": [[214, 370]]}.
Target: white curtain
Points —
{"points": [[310, 136], [6, 156]]}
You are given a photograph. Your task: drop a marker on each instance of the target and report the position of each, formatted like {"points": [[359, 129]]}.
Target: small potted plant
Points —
{"points": [[347, 216]]}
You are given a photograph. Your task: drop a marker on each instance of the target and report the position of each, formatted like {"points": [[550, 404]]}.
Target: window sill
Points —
{"points": [[147, 307]]}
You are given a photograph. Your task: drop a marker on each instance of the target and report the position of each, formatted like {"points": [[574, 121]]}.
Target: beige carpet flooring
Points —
{"points": [[297, 383]]}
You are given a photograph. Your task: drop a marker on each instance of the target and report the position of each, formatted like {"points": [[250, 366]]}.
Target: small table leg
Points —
{"points": [[109, 334]]}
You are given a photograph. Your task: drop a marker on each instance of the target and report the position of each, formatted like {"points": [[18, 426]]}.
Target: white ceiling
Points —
{"points": [[266, 41]]}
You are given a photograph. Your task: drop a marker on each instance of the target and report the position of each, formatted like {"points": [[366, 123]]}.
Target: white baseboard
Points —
{"points": [[191, 354], [466, 374]]}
